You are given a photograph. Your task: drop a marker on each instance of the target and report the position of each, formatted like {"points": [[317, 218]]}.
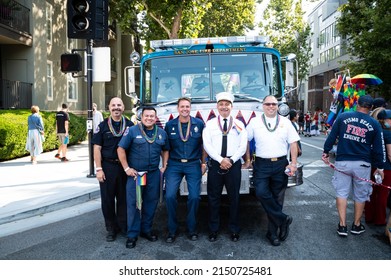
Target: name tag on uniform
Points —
{"points": [[139, 136], [173, 133]]}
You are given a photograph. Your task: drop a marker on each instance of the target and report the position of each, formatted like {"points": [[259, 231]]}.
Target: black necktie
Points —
{"points": [[224, 146]]}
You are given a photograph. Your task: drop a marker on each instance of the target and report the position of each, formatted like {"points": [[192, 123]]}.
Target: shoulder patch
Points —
{"points": [[126, 131]]}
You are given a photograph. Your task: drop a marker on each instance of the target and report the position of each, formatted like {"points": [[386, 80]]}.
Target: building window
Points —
{"points": [[49, 77], [72, 88], [49, 25], [322, 57], [337, 51]]}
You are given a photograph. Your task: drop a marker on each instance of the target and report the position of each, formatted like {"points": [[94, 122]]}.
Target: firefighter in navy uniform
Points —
{"points": [[139, 151], [185, 137], [109, 172]]}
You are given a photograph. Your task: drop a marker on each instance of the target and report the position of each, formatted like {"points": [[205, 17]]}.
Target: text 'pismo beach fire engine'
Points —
{"points": [[201, 68]]}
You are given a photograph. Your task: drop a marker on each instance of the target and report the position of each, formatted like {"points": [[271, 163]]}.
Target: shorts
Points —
{"points": [[344, 184], [61, 137]]}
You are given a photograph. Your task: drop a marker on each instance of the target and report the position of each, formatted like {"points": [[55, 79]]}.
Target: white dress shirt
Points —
{"points": [[270, 144], [236, 139]]}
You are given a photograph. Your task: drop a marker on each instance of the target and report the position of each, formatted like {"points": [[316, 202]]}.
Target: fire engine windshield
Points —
{"points": [[248, 76]]}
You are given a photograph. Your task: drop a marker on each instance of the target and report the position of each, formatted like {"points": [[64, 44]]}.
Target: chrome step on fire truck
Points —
{"points": [[201, 68]]}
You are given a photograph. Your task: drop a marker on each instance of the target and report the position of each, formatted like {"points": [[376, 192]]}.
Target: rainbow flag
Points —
{"points": [[139, 199], [337, 105], [351, 94], [141, 180]]}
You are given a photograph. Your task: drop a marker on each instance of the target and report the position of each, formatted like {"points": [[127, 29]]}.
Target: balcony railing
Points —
{"points": [[15, 15], [15, 95]]}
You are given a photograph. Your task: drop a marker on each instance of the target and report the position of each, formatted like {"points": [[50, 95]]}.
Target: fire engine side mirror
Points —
{"points": [[130, 81]]}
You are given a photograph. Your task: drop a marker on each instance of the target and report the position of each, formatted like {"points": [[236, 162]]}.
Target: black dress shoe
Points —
{"points": [[273, 239], [131, 243], [149, 236], [284, 228], [170, 238], [193, 236], [213, 236], [235, 237], [111, 236]]}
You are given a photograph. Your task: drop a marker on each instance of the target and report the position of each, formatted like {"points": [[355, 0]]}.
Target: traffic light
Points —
{"points": [[87, 19], [71, 63], [101, 20]]}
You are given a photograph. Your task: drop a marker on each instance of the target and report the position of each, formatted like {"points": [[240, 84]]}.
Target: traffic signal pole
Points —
{"points": [[86, 19], [89, 103]]}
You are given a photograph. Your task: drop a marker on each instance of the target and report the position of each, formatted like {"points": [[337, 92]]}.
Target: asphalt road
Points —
{"points": [[313, 231]]}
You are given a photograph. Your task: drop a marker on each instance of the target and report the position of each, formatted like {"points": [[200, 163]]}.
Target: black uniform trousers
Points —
{"points": [[113, 196], [217, 179], [270, 183]]}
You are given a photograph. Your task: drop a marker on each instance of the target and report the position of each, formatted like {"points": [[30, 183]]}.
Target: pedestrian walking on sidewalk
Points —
{"points": [[185, 160], [274, 135], [301, 123], [97, 117], [308, 120], [139, 151], [109, 172], [62, 128], [225, 141], [360, 146], [35, 136]]}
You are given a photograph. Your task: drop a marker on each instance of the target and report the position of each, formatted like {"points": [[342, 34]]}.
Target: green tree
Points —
{"points": [[228, 18], [288, 32], [161, 19], [366, 25]]}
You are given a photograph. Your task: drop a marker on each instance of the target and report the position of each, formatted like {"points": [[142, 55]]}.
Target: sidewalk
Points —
{"points": [[28, 191]]}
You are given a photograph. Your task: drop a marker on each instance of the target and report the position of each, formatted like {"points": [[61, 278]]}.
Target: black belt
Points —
{"points": [[272, 159], [112, 160], [184, 159]]}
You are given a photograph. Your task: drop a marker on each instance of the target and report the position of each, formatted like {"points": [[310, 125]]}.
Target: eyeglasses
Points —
{"points": [[270, 104]]}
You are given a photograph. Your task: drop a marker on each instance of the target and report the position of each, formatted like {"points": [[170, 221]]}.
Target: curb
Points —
{"points": [[44, 209]]}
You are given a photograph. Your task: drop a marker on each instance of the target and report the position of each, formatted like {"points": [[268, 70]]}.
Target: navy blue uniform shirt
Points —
{"points": [[387, 140], [360, 137], [190, 149], [142, 155], [104, 138]]}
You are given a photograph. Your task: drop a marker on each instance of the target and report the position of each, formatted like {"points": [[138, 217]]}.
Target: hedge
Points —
{"points": [[13, 132]]}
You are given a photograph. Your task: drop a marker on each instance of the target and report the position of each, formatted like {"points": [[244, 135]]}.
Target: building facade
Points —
{"points": [[33, 35], [328, 54]]}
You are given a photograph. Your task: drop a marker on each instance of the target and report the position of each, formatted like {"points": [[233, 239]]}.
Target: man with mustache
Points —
{"points": [[109, 172], [225, 141]]}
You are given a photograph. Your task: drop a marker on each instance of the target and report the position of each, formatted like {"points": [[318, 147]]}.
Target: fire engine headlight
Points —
{"points": [[283, 109]]}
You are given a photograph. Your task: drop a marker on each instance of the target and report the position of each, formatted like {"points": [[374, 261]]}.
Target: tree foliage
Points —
{"points": [[163, 19], [228, 18], [366, 24], [288, 32]]}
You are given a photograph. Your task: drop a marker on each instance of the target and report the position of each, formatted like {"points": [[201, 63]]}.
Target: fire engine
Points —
{"points": [[199, 69]]}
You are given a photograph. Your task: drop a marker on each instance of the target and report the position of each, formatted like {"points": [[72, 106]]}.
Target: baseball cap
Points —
{"points": [[384, 114], [225, 96], [379, 102], [365, 101]]}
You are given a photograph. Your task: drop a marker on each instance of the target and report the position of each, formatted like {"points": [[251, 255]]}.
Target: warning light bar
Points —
{"points": [[186, 43]]}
